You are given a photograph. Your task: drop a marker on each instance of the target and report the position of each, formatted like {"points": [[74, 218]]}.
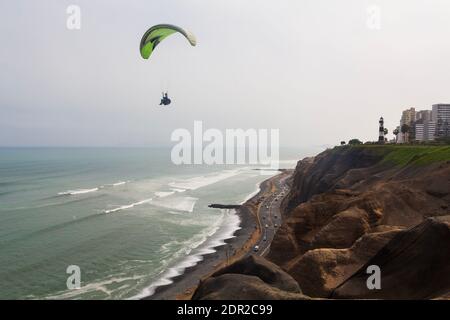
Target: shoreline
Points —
{"points": [[183, 286]]}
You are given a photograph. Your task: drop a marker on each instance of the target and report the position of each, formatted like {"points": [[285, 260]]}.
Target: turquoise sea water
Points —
{"points": [[128, 218]]}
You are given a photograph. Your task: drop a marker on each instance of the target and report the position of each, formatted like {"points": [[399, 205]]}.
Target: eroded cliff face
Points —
{"points": [[319, 174], [415, 264], [349, 208], [252, 278], [347, 204]]}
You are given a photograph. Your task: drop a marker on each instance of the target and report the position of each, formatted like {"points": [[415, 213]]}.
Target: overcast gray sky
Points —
{"points": [[311, 68]]}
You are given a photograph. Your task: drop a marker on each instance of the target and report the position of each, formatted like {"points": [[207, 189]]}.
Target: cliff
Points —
{"points": [[350, 207], [252, 278], [415, 264]]}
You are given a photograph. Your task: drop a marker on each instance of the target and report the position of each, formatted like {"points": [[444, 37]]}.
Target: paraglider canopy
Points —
{"points": [[153, 36]]}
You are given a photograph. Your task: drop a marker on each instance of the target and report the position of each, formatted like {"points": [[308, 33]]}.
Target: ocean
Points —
{"points": [[127, 217]]}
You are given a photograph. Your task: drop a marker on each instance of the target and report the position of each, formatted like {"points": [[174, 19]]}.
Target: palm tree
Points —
{"points": [[405, 130], [396, 132]]}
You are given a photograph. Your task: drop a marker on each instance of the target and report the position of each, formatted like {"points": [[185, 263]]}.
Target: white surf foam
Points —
{"points": [[203, 181], [186, 204], [100, 285], [195, 249], [163, 194], [76, 191], [83, 191], [128, 206], [120, 183]]}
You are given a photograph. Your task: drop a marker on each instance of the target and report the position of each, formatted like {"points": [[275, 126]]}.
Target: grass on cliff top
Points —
{"points": [[408, 154]]}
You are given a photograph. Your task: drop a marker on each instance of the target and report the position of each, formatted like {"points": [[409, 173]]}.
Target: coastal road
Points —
{"points": [[269, 213]]}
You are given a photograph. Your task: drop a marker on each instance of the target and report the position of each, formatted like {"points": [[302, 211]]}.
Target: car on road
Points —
{"points": [[276, 225], [256, 248], [267, 225], [265, 238]]}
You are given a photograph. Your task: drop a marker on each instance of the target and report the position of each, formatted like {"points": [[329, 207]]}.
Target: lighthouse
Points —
{"points": [[381, 131]]}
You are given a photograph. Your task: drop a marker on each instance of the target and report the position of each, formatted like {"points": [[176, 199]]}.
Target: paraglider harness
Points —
{"points": [[165, 100]]}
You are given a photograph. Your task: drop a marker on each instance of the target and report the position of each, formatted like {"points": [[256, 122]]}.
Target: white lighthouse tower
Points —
{"points": [[381, 131]]}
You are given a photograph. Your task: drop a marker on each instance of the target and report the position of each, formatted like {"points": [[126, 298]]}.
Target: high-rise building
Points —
{"points": [[424, 130], [424, 126], [431, 130], [424, 115], [408, 119], [420, 131], [441, 118], [441, 111]]}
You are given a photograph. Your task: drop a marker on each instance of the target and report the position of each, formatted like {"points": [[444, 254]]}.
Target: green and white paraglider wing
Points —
{"points": [[153, 36]]}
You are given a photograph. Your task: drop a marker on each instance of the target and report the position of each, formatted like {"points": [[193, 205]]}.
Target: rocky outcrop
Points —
{"points": [[439, 187], [342, 230], [252, 278], [241, 287], [321, 270], [323, 172], [415, 264], [349, 208], [348, 198]]}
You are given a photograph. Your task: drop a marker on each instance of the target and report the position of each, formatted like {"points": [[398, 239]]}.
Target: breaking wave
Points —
{"points": [[77, 191], [127, 206], [194, 249], [203, 181]]}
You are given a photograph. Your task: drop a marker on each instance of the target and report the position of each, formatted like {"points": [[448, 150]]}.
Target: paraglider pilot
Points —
{"points": [[165, 99]]}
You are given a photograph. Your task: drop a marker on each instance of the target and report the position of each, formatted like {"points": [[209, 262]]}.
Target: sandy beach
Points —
{"points": [[241, 244]]}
